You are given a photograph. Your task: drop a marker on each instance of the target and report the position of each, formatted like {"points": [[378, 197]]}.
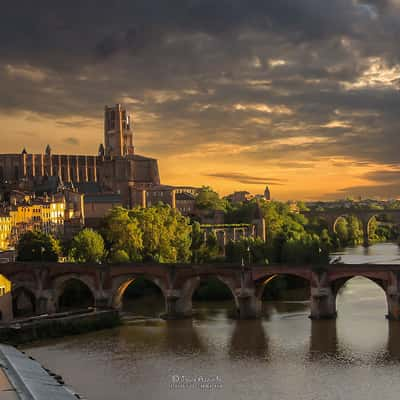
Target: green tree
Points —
{"points": [[342, 232], [238, 213], [166, 234], [208, 199], [119, 256], [122, 234], [87, 246], [197, 241], [209, 250], [38, 246], [302, 206], [355, 230]]}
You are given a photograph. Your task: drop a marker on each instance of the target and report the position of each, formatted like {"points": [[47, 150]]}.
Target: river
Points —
{"points": [[283, 356]]}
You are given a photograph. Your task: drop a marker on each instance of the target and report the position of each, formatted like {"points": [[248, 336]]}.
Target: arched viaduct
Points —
{"points": [[107, 283], [331, 216]]}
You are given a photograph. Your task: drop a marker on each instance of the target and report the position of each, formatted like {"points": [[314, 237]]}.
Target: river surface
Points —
{"points": [[283, 356]]}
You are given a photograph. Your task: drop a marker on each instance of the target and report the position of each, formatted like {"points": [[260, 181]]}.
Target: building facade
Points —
{"points": [[61, 214], [116, 168], [5, 230]]}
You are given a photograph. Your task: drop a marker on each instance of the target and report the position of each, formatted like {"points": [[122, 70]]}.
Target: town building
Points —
{"points": [[97, 205], [185, 203], [245, 196], [267, 194], [239, 197], [59, 214], [5, 230], [45, 214], [116, 168]]}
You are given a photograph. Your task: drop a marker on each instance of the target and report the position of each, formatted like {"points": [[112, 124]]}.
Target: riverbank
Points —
{"points": [[22, 377], [57, 325]]}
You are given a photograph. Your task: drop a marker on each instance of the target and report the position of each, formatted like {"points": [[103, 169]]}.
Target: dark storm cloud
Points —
{"points": [[199, 71], [381, 191], [387, 177], [384, 183], [247, 179]]}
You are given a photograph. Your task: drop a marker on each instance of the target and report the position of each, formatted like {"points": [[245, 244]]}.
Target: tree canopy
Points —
{"points": [[87, 246], [123, 235], [208, 199], [38, 246], [166, 234], [157, 233]]}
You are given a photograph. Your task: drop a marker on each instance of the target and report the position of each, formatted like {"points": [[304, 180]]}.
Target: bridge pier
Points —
{"points": [[46, 303], [393, 296], [393, 301], [365, 227], [102, 302], [249, 306], [323, 303], [177, 306]]}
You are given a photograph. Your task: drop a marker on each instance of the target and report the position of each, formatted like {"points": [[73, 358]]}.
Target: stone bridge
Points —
{"points": [[45, 284], [332, 215]]}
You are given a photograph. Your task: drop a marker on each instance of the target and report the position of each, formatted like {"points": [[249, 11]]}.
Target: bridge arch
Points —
{"points": [[344, 215], [62, 283], [338, 284], [392, 217], [230, 283], [121, 283], [184, 304], [363, 219], [24, 301], [267, 279], [263, 284]]}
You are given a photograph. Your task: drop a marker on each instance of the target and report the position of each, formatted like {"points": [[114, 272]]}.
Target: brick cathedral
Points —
{"points": [[116, 168]]}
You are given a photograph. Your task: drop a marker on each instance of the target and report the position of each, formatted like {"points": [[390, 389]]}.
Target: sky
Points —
{"points": [[302, 95]]}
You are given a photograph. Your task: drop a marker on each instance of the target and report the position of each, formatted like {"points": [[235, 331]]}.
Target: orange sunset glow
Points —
{"points": [[309, 109]]}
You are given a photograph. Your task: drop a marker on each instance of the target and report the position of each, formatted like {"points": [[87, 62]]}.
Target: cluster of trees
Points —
{"points": [[290, 237], [158, 233], [161, 234], [38, 246]]}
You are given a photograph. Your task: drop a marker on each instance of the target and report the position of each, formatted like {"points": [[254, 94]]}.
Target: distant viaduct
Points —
{"points": [[332, 215]]}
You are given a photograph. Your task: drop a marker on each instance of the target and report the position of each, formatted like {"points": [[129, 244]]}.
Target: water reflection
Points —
{"points": [[281, 308], [393, 343], [181, 337], [380, 253], [249, 340], [205, 310], [323, 338]]}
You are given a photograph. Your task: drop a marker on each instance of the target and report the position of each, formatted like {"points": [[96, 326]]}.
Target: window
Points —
{"points": [[111, 120]]}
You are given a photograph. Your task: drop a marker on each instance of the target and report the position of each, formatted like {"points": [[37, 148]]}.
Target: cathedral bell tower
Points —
{"points": [[118, 134]]}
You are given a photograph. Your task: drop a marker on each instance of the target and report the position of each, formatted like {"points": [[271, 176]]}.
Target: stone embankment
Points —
{"points": [[57, 325], [23, 378]]}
